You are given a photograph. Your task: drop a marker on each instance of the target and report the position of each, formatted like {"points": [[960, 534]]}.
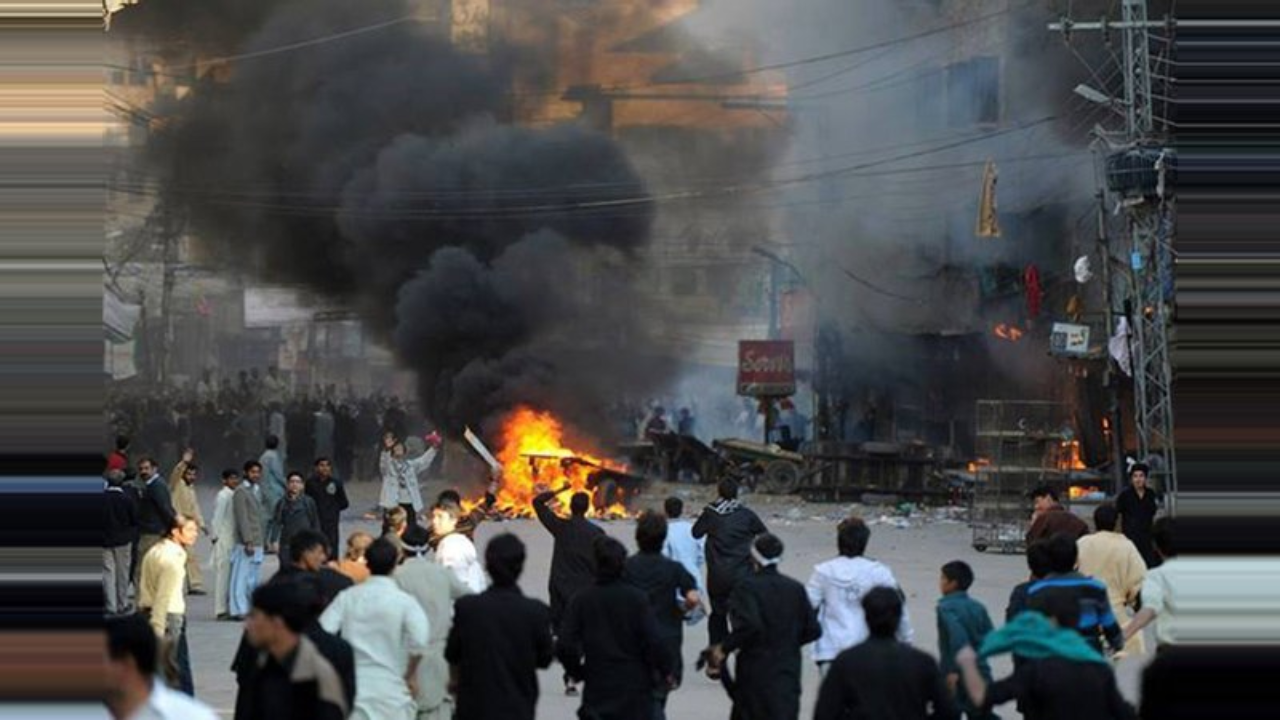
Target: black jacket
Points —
{"points": [[302, 688], [572, 559], [156, 513], [498, 641], [334, 649], [331, 499], [1137, 517], [610, 640], [771, 619], [661, 579], [729, 529], [121, 517], [292, 516], [883, 678], [1059, 689]]}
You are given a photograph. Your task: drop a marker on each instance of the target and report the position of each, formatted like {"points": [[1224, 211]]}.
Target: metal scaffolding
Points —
{"points": [[1138, 162]]}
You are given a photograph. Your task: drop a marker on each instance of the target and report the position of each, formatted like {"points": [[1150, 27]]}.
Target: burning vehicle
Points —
{"points": [[535, 455]]}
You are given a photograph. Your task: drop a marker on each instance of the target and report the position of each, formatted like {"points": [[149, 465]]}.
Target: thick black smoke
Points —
{"points": [[375, 169]]}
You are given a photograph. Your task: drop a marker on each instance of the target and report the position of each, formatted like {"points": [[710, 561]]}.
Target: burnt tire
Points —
{"points": [[780, 477]]}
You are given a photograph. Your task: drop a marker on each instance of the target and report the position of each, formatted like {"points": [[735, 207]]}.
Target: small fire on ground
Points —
{"points": [[534, 457], [1006, 331]]}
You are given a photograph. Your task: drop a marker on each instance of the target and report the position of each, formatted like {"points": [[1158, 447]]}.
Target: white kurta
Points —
{"points": [[223, 531], [385, 626], [457, 553]]}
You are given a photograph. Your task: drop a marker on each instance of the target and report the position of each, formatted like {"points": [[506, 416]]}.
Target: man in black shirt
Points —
{"points": [[572, 567], [881, 677], [1071, 683], [730, 527], [121, 512], [1137, 505], [330, 496], [155, 511], [498, 641], [671, 590], [290, 678], [317, 585], [609, 639], [772, 619]]}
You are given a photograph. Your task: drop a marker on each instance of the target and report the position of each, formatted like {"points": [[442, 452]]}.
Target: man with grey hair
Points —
{"points": [[117, 544]]}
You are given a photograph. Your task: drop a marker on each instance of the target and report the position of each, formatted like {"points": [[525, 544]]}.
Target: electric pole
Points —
{"points": [[1136, 166]]}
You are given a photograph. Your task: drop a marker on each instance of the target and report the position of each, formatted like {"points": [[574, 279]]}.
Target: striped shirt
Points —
{"points": [[1096, 618]]}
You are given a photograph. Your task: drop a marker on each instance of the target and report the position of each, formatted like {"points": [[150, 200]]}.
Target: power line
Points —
{"points": [[699, 193], [333, 37], [836, 54]]}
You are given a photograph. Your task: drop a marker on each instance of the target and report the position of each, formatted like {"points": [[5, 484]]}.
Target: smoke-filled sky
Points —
{"points": [[374, 170]]}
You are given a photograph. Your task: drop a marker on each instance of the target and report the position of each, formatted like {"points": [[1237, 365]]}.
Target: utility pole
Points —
{"points": [[169, 263], [1135, 166], [1110, 379]]}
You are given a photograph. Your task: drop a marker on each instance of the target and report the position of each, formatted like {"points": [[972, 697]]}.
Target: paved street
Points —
{"points": [[914, 553]]}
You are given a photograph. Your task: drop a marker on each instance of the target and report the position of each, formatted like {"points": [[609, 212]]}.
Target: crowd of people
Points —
{"points": [[419, 623], [225, 419]]}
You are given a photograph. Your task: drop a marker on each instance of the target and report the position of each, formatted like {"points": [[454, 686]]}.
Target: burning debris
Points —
{"points": [[1008, 331], [534, 457]]}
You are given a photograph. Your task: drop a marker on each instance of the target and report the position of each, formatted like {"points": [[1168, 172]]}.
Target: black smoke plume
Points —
{"points": [[375, 169]]}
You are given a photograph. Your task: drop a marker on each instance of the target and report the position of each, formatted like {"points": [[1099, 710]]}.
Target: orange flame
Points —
{"points": [[1069, 457], [1075, 492], [977, 464], [1005, 331], [534, 457]]}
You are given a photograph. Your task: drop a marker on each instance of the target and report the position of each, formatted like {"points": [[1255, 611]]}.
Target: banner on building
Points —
{"points": [[118, 360], [1069, 339], [766, 368], [268, 307]]}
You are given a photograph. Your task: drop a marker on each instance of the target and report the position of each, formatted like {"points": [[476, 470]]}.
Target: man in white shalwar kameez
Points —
{"points": [[388, 633], [435, 588], [224, 530]]}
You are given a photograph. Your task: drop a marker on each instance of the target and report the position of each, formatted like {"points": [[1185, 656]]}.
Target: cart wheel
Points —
{"points": [[781, 477], [980, 547]]}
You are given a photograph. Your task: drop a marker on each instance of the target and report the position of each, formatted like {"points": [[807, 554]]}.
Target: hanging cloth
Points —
{"points": [[1031, 284]]}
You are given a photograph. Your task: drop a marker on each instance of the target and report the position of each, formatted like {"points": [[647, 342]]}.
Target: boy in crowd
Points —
{"points": [[962, 621]]}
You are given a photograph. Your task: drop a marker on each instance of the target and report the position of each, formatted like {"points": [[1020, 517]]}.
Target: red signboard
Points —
{"points": [[766, 368]]}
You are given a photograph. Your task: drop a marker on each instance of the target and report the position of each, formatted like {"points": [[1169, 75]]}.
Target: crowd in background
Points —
{"points": [[225, 420]]}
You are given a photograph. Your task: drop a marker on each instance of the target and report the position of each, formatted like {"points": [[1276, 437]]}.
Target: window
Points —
{"points": [[973, 92]]}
